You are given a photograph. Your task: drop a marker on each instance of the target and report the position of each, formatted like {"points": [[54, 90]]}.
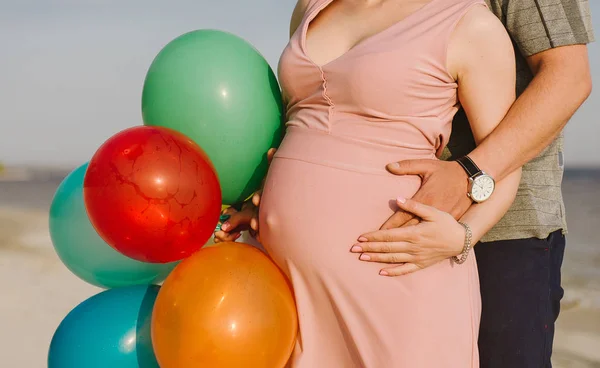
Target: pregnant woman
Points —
{"points": [[367, 83]]}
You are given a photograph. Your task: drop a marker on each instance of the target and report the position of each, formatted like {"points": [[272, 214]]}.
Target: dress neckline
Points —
{"points": [[365, 41]]}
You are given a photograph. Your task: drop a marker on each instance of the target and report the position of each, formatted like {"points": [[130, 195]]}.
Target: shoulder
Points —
{"points": [[479, 38], [298, 14], [302, 4], [479, 24]]}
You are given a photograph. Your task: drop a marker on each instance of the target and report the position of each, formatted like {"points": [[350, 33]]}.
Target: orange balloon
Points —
{"points": [[225, 306]]}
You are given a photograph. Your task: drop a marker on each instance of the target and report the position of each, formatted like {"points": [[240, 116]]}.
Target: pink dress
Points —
{"points": [[389, 98]]}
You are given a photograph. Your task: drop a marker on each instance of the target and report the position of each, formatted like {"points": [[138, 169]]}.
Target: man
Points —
{"points": [[519, 260]]}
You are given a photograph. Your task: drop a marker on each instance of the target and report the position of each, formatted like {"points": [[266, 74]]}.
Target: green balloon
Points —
{"points": [[218, 90], [84, 252]]}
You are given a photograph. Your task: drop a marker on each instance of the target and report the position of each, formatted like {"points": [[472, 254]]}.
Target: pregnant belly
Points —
{"points": [[311, 212], [310, 216]]}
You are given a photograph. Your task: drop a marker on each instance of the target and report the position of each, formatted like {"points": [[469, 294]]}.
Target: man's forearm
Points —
{"points": [[483, 216], [535, 119]]}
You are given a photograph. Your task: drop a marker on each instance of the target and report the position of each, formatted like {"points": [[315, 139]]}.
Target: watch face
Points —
{"points": [[482, 188]]}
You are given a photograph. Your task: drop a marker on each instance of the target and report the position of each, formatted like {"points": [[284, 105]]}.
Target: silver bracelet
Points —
{"points": [[466, 248]]}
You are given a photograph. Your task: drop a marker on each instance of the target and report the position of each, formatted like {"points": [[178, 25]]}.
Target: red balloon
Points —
{"points": [[152, 194]]}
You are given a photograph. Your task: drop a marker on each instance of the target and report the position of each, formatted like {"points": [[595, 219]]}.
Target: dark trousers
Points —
{"points": [[521, 293]]}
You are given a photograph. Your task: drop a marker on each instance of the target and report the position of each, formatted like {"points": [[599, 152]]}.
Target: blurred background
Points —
{"points": [[71, 75]]}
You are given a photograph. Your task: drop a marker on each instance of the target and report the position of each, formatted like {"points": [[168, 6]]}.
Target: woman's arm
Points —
{"points": [[481, 58], [234, 222]]}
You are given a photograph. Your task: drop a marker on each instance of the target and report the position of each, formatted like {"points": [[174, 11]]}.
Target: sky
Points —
{"points": [[72, 72]]}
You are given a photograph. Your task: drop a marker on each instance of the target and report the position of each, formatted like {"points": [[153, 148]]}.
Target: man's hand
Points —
{"points": [[444, 186]]}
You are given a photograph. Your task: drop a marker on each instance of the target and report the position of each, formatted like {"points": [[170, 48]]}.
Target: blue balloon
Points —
{"points": [[84, 252], [108, 330]]}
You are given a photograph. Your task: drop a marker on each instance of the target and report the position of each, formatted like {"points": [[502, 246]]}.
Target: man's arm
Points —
{"points": [[553, 39], [561, 83], [486, 87]]}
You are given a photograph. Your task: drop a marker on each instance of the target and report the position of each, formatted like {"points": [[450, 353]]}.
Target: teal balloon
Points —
{"points": [[218, 90], [84, 252], [108, 330]]}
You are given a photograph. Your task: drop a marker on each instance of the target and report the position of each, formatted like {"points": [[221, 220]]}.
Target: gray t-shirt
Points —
{"points": [[534, 26]]}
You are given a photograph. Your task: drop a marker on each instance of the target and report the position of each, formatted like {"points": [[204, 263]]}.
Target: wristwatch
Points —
{"points": [[481, 185]]}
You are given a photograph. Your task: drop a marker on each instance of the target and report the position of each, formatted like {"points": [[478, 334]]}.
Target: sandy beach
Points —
{"points": [[38, 291]]}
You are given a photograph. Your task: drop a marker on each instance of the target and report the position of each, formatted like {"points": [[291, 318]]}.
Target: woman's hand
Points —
{"points": [[246, 219], [437, 237], [234, 222]]}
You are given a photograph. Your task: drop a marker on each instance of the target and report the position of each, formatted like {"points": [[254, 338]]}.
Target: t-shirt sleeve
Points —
{"points": [[539, 25]]}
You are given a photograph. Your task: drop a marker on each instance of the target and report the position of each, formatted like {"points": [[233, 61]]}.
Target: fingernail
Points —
{"points": [[394, 165], [364, 257], [225, 226], [362, 238], [401, 199], [224, 218], [356, 249], [384, 273]]}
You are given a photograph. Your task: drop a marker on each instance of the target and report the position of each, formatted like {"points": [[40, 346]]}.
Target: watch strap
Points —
{"points": [[469, 166]]}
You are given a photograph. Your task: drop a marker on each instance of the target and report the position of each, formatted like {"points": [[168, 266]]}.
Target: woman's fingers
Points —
{"points": [[228, 211], [254, 223], [384, 247], [254, 226], [270, 154], [427, 213], [400, 270], [393, 258], [410, 234], [247, 218], [238, 221], [256, 198], [222, 236], [385, 252]]}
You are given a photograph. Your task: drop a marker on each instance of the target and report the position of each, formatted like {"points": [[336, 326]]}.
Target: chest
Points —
{"points": [[373, 64], [337, 26]]}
